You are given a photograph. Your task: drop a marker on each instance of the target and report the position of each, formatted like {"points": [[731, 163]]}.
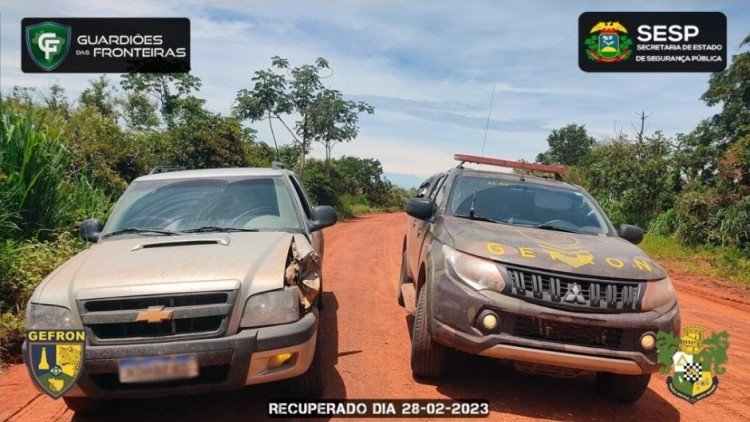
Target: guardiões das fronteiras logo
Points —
{"points": [[54, 358], [608, 43], [48, 43], [696, 360]]}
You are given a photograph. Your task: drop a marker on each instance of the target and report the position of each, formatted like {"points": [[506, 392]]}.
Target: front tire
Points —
{"points": [[403, 279], [624, 388], [427, 356], [83, 405]]}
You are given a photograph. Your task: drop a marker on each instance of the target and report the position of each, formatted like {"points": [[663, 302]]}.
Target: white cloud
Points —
{"points": [[430, 68]]}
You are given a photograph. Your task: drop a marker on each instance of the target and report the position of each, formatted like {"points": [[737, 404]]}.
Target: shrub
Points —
{"points": [[694, 208], [12, 328], [664, 223], [730, 226], [24, 264]]}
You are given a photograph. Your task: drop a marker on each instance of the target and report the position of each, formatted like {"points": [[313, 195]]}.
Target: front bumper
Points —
{"points": [[225, 363], [453, 309]]}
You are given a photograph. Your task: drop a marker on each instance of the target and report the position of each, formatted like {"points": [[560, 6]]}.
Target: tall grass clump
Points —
{"points": [[33, 168], [42, 202]]}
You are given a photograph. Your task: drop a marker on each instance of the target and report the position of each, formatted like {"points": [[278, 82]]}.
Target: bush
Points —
{"points": [[24, 264], [12, 328], [730, 226], [664, 223], [694, 208]]}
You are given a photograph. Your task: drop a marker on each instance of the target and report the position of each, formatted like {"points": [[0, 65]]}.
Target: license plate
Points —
{"points": [[158, 368]]}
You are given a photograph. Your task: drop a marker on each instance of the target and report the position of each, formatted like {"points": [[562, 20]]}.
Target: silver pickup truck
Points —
{"points": [[201, 280]]}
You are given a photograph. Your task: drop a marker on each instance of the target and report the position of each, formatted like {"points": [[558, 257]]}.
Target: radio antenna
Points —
{"points": [[489, 114], [484, 143]]}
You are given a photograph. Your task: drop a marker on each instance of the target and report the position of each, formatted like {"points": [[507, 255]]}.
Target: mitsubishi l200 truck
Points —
{"points": [[530, 270]]}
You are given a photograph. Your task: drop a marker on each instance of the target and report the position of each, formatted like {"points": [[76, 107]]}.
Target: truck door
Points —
{"points": [[411, 226], [316, 238], [420, 227]]}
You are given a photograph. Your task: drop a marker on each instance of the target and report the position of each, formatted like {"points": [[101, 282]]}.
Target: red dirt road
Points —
{"points": [[365, 338]]}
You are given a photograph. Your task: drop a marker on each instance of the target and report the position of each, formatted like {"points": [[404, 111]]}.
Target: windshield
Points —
{"points": [[262, 203], [526, 204]]}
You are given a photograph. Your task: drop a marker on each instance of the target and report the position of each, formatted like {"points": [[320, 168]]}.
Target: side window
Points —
{"points": [[437, 187], [423, 188], [442, 186], [302, 195]]}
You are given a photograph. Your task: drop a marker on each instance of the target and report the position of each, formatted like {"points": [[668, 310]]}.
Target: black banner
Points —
{"points": [[378, 408], [652, 41], [105, 45]]}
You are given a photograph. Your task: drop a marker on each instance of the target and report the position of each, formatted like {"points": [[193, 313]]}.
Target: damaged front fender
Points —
{"points": [[303, 270]]}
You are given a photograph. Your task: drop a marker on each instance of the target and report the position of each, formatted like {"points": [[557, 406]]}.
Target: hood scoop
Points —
{"points": [[224, 241]]}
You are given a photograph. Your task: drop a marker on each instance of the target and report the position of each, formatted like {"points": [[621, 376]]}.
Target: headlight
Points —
{"points": [[477, 273], [658, 293], [43, 317], [271, 308]]}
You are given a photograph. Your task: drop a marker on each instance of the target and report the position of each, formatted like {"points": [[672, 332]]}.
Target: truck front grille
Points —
{"points": [[568, 333], [173, 317], [575, 293]]}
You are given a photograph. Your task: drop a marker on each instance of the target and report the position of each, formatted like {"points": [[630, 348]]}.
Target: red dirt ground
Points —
{"points": [[365, 338]]}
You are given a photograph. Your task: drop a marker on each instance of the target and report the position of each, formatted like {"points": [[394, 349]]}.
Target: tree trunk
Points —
{"points": [[273, 135], [328, 156], [303, 149]]}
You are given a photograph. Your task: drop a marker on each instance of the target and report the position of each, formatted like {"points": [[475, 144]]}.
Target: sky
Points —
{"points": [[428, 68]]}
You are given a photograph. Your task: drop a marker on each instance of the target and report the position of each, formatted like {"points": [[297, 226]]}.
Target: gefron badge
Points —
{"points": [[696, 361], [48, 43], [54, 358]]}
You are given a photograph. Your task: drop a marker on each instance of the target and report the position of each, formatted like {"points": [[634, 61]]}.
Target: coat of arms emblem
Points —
{"points": [[608, 43], [695, 359]]}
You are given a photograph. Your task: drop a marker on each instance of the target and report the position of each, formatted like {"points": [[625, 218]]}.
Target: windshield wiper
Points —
{"points": [[140, 230], [206, 229], [556, 228], [479, 218]]}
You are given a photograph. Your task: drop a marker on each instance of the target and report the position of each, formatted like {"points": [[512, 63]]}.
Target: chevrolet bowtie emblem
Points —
{"points": [[155, 314]]}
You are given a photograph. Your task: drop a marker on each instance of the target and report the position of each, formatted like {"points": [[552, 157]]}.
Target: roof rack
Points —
{"points": [[166, 169], [277, 165], [558, 171]]}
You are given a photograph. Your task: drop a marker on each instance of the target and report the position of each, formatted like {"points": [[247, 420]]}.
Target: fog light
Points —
{"points": [[279, 360], [648, 341], [489, 320]]}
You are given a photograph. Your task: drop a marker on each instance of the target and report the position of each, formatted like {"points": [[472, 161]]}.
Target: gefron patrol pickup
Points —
{"points": [[530, 270]]}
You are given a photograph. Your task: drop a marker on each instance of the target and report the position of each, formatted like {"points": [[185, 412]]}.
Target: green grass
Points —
{"points": [[714, 261]]}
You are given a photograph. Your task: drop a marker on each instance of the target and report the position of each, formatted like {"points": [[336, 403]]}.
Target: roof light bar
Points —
{"points": [[546, 168]]}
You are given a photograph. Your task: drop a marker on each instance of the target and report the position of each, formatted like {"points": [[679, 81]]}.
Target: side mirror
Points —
{"points": [[91, 229], [322, 216], [631, 233], [420, 208]]}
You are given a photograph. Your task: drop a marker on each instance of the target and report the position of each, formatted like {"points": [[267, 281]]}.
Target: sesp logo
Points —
{"points": [[608, 43], [48, 43]]}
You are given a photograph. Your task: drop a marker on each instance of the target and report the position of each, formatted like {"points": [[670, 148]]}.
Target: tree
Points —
{"points": [[57, 101], [139, 112], [202, 139], [281, 91], [23, 94], [166, 88], [267, 100], [567, 145], [632, 180], [333, 120], [305, 85], [99, 96]]}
